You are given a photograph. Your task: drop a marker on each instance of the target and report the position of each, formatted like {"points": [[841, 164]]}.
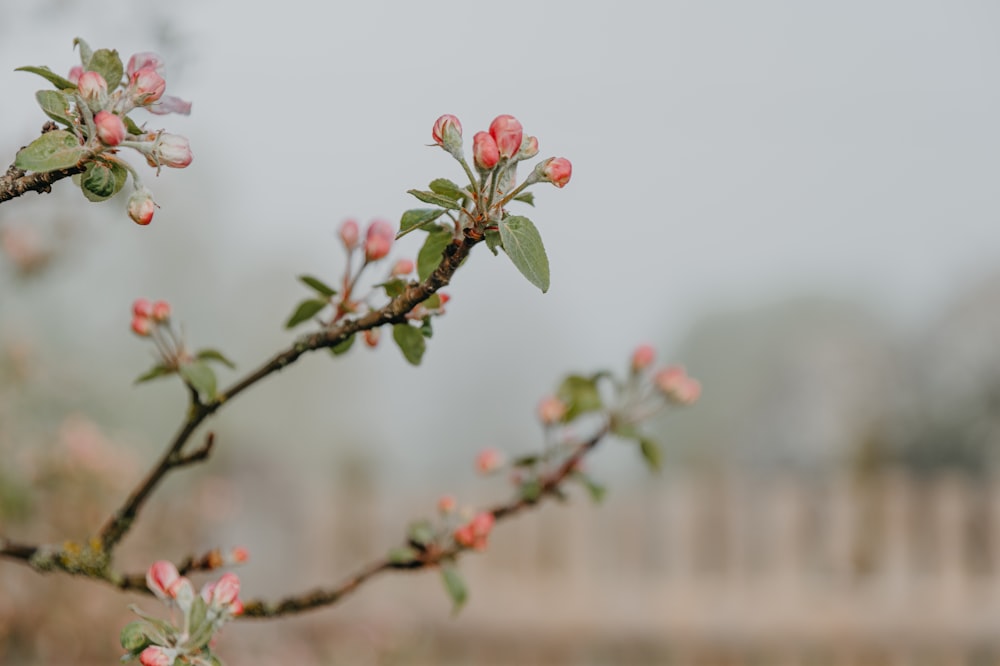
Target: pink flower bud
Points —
{"points": [[551, 410], [161, 311], [142, 308], [171, 150], [372, 336], [349, 234], [141, 326], [145, 60], [141, 206], [93, 88], [643, 357], [677, 386], [378, 240], [161, 578], [556, 170], [74, 74], [529, 148], [110, 128], [155, 655], [488, 461], [447, 504], [475, 533], [447, 129], [402, 267], [238, 555], [444, 298], [223, 593], [484, 151], [507, 132], [146, 86]]}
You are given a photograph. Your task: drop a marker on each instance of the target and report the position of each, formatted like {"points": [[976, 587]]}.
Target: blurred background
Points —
{"points": [[795, 200]]}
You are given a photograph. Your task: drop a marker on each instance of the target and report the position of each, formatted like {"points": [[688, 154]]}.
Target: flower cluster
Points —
{"points": [[155, 642], [94, 104]]}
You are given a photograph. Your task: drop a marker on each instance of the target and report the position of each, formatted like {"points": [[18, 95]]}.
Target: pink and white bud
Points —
{"points": [[447, 129], [74, 74], [141, 206], [146, 86], [677, 386], [224, 593], [161, 311], [378, 240], [556, 170], [171, 150], [349, 234], [489, 461], [156, 655], [141, 307], [144, 60], [372, 336], [507, 132], [110, 128], [93, 89], [529, 148], [238, 555], [551, 410], [402, 267], [484, 151], [476, 532], [643, 357], [142, 326], [162, 576], [447, 504]]}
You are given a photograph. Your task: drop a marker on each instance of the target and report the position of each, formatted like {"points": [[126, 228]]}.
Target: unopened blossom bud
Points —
{"points": [[146, 86], [447, 504], [349, 234], [484, 151], [529, 148], [171, 150], [488, 461], [156, 655], [110, 128], [144, 60], [161, 578], [74, 74], [238, 555], [93, 88], [677, 386], [378, 240], [475, 533], [507, 132], [372, 336], [224, 592], [402, 267], [141, 307], [141, 206], [643, 357], [142, 326], [556, 170], [161, 311], [447, 133], [551, 410]]}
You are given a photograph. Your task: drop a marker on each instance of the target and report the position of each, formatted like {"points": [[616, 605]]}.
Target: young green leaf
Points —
{"points": [[446, 188], [420, 533], [429, 256], [53, 150], [394, 287], [651, 453], [526, 197], [86, 53], [318, 285], [132, 128], [493, 241], [531, 490], [103, 180], [215, 355], [59, 82], [305, 311], [153, 373], [417, 218], [523, 245], [402, 555], [411, 342], [596, 490], [342, 347], [107, 63], [200, 377], [580, 394], [434, 199], [55, 105], [426, 329], [455, 587]]}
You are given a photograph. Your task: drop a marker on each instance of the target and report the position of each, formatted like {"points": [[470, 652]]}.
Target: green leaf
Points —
{"points": [[403, 555], [493, 241], [426, 329], [432, 302], [526, 461], [107, 63], [420, 533], [524, 246], [132, 128], [411, 342], [526, 197], [416, 218], [343, 346], [455, 587], [625, 430], [133, 637], [318, 285], [53, 150], [153, 373], [86, 53], [305, 311], [580, 395], [531, 490], [429, 257], [196, 618], [394, 287], [56, 106], [103, 180], [434, 199], [446, 188], [50, 76], [200, 377], [596, 490], [215, 355], [651, 453]]}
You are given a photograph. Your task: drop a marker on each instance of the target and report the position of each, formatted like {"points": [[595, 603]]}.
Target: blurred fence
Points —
{"points": [[736, 569]]}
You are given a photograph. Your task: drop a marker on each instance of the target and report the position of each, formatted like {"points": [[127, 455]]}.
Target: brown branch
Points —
{"points": [[17, 181], [198, 456]]}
